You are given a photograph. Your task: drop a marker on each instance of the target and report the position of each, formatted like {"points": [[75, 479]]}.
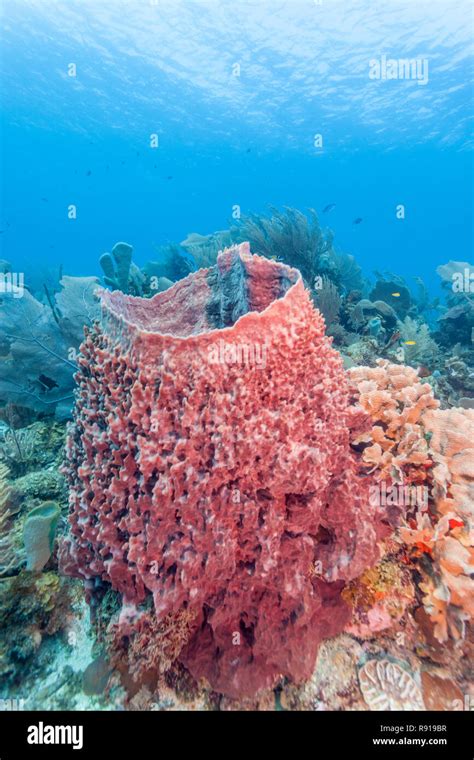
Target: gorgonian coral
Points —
{"points": [[38, 344]]}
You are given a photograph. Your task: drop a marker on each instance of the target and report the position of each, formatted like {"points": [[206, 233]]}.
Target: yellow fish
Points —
{"points": [[396, 295], [410, 343]]}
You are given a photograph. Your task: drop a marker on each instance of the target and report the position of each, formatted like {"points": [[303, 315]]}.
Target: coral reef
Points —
{"points": [[389, 686], [172, 264], [448, 583], [204, 248], [120, 273], [226, 488], [328, 301], [379, 598], [394, 294], [39, 344], [147, 647], [415, 442], [237, 500], [456, 324], [41, 606], [10, 545], [39, 531], [395, 449], [360, 313], [292, 237], [418, 345]]}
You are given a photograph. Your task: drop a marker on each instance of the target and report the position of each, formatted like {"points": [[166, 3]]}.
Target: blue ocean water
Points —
{"points": [[236, 91]]}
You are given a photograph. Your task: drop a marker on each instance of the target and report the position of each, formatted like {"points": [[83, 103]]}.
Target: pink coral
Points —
{"points": [[210, 469]]}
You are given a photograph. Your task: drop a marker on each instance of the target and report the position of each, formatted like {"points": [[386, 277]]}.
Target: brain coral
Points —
{"points": [[210, 469], [386, 685]]}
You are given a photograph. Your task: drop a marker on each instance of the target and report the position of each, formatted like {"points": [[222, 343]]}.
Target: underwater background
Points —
{"points": [[224, 139], [181, 128]]}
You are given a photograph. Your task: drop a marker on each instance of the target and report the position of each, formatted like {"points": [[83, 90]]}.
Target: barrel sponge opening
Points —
{"points": [[208, 299]]}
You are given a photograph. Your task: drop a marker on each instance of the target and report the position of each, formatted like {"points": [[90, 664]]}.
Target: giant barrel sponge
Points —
{"points": [[210, 470]]}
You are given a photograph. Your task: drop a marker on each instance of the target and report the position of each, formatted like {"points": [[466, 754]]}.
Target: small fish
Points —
{"points": [[423, 547], [88, 173], [357, 220], [410, 342], [248, 150], [395, 295], [44, 199], [170, 177], [393, 338], [423, 371], [48, 382], [329, 207]]}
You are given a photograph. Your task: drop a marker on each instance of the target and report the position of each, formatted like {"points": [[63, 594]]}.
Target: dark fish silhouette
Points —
{"points": [[48, 382], [44, 199], [88, 173], [329, 207], [358, 220], [170, 177]]}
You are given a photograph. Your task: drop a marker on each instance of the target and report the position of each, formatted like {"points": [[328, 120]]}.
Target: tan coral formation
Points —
{"points": [[10, 557], [449, 589], [386, 685], [413, 441], [395, 399], [379, 598]]}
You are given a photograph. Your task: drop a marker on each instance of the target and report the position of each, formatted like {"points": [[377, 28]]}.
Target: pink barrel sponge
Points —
{"points": [[210, 469]]}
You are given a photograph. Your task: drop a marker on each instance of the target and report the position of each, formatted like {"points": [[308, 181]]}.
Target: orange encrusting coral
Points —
{"points": [[413, 441], [449, 589]]}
